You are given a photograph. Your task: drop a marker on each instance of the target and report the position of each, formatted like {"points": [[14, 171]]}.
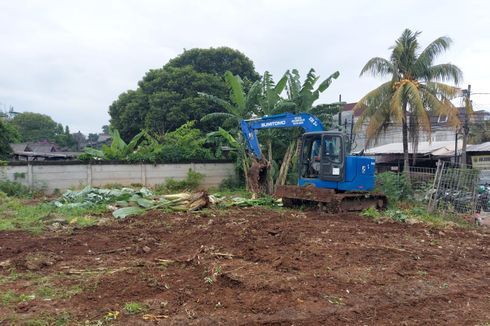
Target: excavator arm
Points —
{"points": [[308, 122]]}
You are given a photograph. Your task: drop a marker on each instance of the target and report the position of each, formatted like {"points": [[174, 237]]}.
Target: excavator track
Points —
{"points": [[330, 200]]}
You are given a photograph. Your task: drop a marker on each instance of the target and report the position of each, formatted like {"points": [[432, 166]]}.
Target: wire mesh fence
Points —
{"points": [[421, 182], [448, 188], [455, 189]]}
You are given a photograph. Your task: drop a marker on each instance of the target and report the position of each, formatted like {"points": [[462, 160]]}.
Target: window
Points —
{"points": [[442, 118], [333, 148]]}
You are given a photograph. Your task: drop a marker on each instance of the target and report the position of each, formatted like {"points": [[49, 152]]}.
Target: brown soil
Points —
{"points": [[254, 266]]}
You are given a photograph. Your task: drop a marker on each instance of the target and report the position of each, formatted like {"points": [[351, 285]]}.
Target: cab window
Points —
{"points": [[332, 148]]}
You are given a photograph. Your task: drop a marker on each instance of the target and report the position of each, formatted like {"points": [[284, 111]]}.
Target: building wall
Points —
{"points": [[60, 176], [441, 130], [394, 135]]}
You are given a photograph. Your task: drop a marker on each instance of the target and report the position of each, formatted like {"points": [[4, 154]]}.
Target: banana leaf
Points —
{"points": [[127, 211]]}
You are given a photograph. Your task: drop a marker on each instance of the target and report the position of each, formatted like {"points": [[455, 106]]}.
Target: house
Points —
{"points": [[103, 139], [40, 151], [442, 131], [480, 155], [389, 157]]}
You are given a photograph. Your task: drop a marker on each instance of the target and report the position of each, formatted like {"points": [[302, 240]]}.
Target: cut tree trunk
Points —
{"points": [[245, 172], [283, 171], [257, 177], [270, 177]]}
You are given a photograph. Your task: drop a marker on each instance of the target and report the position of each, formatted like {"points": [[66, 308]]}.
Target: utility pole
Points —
{"points": [[466, 128], [341, 108], [456, 148], [351, 130]]}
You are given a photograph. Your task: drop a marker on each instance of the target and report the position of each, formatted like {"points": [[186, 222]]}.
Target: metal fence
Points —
{"points": [[455, 189], [421, 182], [448, 188]]}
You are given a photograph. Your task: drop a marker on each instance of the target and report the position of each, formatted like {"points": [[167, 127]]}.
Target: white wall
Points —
{"points": [[62, 176]]}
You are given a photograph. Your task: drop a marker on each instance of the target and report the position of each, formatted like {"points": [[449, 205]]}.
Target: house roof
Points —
{"points": [[42, 148], [484, 147], [436, 148], [38, 147], [103, 137], [21, 147], [350, 106]]}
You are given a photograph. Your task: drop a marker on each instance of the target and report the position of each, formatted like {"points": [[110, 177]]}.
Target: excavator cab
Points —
{"points": [[323, 156]]}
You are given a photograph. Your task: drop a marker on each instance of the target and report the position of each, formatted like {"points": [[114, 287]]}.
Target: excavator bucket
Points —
{"points": [[330, 200]]}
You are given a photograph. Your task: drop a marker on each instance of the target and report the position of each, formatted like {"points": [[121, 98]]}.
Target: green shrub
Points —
{"points": [[134, 308], [397, 215], [191, 182], [231, 183], [15, 189], [371, 212], [395, 186]]}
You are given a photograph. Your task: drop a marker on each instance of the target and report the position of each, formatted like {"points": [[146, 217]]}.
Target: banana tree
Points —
{"points": [[271, 102], [118, 150], [241, 105], [303, 95]]}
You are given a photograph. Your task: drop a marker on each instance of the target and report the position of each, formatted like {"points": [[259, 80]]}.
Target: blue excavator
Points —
{"points": [[328, 174]]}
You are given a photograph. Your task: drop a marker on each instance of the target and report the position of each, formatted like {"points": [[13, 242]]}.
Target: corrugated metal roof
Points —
{"points": [[439, 148], [484, 147]]}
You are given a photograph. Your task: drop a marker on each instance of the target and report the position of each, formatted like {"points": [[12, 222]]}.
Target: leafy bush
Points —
{"points": [[15, 189], [191, 182], [371, 212], [231, 183], [397, 215], [184, 144], [395, 186]]}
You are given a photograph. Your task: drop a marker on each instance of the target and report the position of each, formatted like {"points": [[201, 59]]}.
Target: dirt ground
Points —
{"points": [[247, 266]]}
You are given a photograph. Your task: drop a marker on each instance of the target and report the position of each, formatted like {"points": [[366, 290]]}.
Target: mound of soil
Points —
{"points": [[247, 266]]}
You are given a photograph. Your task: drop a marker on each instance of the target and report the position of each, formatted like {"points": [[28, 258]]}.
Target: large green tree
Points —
{"points": [[8, 135], [415, 87], [168, 97], [217, 61], [36, 126]]}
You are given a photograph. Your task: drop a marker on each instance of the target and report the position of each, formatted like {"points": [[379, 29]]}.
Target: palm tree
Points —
{"points": [[415, 88]]}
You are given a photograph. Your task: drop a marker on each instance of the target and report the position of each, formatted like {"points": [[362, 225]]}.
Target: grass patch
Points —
{"points": [[47, 319], [19, 215], [134, 308], [47, 291], [415, 213], [11, 297], [16, 189]]}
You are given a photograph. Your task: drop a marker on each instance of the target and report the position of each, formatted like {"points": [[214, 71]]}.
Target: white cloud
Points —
{"points": [[71, 59]]}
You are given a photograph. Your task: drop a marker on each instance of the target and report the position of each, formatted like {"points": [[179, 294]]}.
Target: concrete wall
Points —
{"points": [[62, 176]]}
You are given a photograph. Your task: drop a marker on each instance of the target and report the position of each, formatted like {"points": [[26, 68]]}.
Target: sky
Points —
{"points": [[72, 59]]}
